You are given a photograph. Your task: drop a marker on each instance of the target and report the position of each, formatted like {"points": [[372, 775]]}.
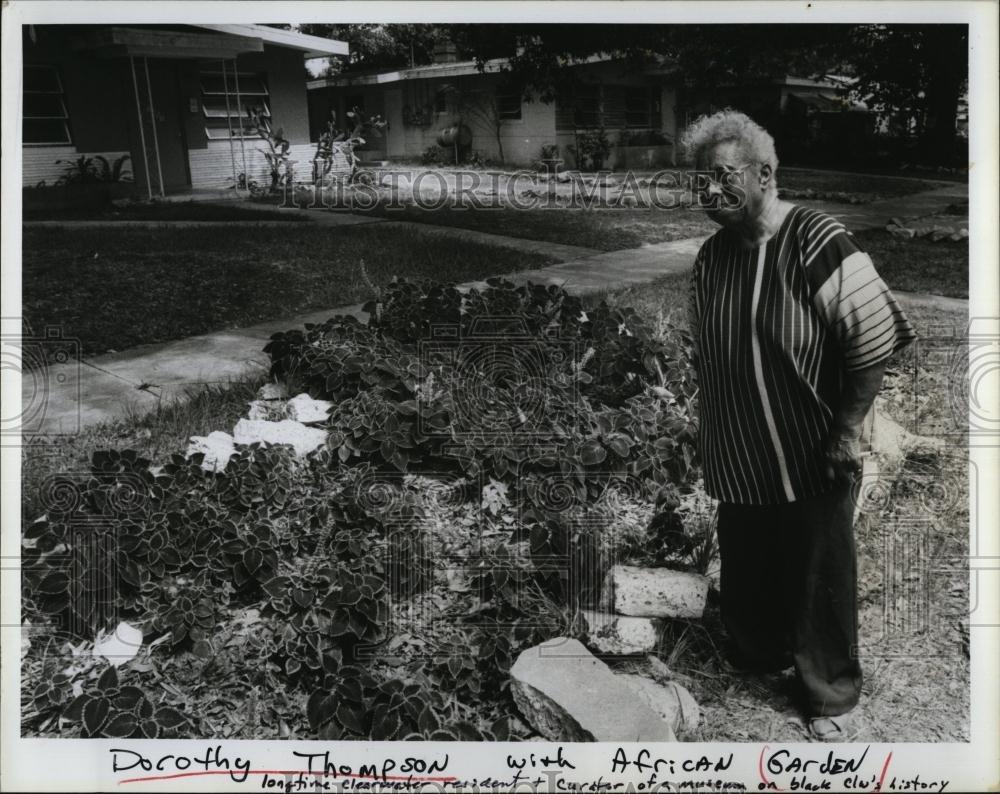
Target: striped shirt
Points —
{"points": [[775, 327]]}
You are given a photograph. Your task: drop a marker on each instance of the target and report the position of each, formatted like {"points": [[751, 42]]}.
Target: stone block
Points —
{"points": [[618, 635], [568, 695], [654, 592], [670, 700]]}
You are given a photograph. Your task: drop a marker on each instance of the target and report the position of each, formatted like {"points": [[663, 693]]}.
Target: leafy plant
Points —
{"points": [[110, 710], [277, 154], [592, 149], [357, 706], [335, 143], [94, 169]]}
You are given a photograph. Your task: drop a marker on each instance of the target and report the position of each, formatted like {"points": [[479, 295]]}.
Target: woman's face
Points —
{"points": [[735, 192]]}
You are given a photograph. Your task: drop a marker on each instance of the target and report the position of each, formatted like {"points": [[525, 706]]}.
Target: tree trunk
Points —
{"points": [[498, 127], [948, 72]]}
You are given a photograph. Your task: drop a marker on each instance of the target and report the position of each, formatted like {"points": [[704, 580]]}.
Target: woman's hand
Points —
{"points": [[843, 455]]}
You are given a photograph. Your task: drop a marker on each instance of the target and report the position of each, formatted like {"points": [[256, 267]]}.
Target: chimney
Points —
{"points": [[445, 51]]}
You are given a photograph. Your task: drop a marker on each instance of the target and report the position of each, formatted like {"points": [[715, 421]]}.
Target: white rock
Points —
{"points": [[893, 442], [258, 410], [670, 700], [654, 592], [567, 694], [617, 635], [120, 646], [303, 439], [217, 447], [303, 408]]}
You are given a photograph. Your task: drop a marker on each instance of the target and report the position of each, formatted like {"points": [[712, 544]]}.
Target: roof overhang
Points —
{"points": [[456, 69], [310, 46], [113, 41], [204, 42]]}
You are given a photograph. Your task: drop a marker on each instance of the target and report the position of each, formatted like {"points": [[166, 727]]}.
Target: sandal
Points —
{"points": [[839, 728]]}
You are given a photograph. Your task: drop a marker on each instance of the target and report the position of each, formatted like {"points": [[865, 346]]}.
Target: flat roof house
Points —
{"points": [[636, 109], [172, 97]]}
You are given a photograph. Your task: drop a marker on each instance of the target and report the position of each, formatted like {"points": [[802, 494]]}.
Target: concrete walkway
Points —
{"points": [[65, 398], [878, 213]]}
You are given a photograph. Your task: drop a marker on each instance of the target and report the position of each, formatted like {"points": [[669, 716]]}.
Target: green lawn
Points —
{"points": [[116, 288], [163, 211], [918, 265]]}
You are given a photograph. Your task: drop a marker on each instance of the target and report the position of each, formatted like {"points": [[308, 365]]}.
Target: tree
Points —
{"points": [[920, 71], [916, 69], [376, 46]]}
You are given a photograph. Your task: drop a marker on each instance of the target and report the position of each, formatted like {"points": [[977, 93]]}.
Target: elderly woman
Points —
{"points": [[792, 329]]}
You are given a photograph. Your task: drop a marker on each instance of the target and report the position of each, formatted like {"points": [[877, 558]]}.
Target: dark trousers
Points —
{"points": [[789, 593]]}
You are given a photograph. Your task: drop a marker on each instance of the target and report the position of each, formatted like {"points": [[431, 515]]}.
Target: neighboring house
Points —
{"points": [[420, 102], [172, 97], [809, 119]]}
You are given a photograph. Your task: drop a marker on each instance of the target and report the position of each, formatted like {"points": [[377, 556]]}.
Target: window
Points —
{"points": [[225, 109], [509, 105], [642, 108], [45, 117], [441, 101], [587, 106]]}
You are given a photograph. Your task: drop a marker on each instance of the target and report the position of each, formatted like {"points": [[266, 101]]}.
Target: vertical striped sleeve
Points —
{"points": [[855, 304], [694, 301]]}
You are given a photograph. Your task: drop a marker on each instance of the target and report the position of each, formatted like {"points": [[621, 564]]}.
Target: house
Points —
{"points": [[643, 112], [637, 110], [171, 97]]}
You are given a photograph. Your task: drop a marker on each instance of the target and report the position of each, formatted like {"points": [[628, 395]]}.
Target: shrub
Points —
{"points": [[557, 409]]}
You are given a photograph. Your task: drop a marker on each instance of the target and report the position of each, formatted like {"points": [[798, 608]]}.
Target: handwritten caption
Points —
{"points": [[557, 769]]}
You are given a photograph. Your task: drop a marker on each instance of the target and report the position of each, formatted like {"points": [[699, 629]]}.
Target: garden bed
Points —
{"points": [[444, 554], [112, 291]]}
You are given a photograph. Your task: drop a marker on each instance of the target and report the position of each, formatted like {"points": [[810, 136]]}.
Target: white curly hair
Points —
{"points": [[727, 125]]}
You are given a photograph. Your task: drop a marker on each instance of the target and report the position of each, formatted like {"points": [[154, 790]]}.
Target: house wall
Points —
{"points": [[39, 163], [212, 161], [95, 92], [522, 139], [100, 103]]}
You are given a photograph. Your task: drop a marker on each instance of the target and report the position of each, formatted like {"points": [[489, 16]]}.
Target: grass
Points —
{"points": [[163, 211], [835, 182], [918, 265], [156, 435], [602, 230], [116, 289], [622, 228], [916, 670]]}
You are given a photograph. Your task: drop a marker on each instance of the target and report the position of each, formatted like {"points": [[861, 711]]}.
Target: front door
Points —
{"points": [[169, 130]]}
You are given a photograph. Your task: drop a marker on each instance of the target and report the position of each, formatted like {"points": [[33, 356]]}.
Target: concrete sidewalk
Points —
{"points": [[877, 214], [64, 398]]}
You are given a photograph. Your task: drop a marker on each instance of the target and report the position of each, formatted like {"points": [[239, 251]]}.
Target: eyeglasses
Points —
{"points": [[719, 177]]}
